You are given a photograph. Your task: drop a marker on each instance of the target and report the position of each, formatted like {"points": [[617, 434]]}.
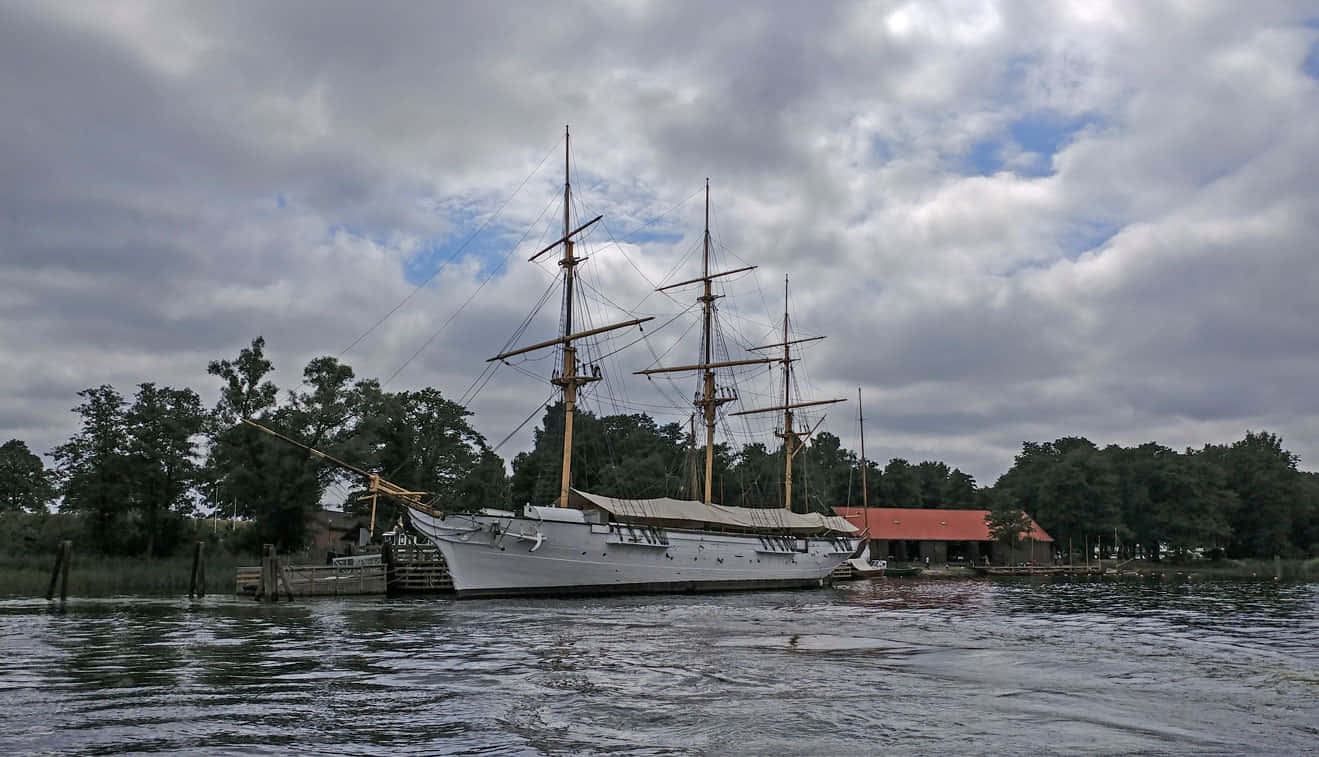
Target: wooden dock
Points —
{"points": [[1040, 570], [405, 569], [318, 580]]}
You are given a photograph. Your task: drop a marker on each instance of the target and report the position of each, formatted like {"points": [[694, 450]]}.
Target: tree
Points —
{"points": [[960, 491], [93, 466], [756, 477], [933, 481], [244, 393], [256, 475], [1306, 533], [423, 442], [1008, 523], [1068, 486], [25, 484], [1168, 500], [1268, 488], [161, 461], [899, 486], [1078, 496], [536, 473], [625, 455]]}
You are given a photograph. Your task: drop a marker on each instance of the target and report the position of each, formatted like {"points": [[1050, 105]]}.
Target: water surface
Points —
{"points": [[916, 667]]}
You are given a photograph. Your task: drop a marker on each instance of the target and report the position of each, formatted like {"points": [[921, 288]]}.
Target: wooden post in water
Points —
{"points": [[67, 548], [197, 586], [55, 572], [269, 588], [60, 573], [1277, 568]]}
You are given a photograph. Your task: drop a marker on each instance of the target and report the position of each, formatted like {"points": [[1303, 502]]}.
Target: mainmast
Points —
{"points": [[567, 379], [792, 441], [709, 400]]}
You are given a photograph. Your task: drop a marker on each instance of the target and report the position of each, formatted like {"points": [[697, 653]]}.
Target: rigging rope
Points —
{"points": [[455, 254], [514, 432]]}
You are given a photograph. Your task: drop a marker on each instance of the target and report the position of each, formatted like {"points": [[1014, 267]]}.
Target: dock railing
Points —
{"points": [[318, 580]]}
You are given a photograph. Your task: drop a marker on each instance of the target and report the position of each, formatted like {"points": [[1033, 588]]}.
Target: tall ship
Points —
{"points": [[591, 543]]}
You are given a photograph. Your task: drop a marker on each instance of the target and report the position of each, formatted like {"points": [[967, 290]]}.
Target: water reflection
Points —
{"points": [[926, 666]]}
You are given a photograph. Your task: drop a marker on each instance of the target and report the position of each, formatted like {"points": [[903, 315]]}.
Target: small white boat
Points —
{"points": [[864, 567]]}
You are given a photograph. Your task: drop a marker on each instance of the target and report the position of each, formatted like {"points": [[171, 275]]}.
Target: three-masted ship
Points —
{"points": [[588, 543]]}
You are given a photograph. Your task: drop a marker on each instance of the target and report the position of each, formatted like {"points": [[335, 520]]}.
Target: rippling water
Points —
{"points": [[907, 667]]}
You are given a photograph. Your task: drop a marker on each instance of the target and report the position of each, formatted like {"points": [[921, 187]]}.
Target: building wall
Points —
{"points": [[974, 552]]}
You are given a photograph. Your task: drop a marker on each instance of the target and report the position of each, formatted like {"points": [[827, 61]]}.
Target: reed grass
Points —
{"points": [[93, 575]]}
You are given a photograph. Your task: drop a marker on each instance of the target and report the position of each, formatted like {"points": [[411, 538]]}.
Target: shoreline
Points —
{"points": [[1295, 569]]}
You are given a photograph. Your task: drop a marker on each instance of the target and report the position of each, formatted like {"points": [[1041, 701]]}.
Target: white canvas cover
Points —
{"points": [[681, 513]]}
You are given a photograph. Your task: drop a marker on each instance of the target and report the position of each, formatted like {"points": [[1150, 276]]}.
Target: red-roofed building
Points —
{"points": [[906, 533]]}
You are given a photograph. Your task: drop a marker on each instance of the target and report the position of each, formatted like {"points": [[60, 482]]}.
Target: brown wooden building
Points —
{"points": [[944, 536]]}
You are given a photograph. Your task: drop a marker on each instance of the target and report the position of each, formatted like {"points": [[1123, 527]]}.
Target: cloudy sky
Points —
{"points": [[1014, 221]]}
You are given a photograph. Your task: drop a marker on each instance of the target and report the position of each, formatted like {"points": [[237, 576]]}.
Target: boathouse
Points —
{"points": [[944, 536]]}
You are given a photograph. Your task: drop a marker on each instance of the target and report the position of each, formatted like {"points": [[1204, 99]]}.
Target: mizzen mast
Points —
{"points": [[709, 400], [568, 379], [793, 442]]}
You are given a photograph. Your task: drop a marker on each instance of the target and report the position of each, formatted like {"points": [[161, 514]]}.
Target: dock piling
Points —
{"points": [[60, 573], [197, 586], [268, 589]]}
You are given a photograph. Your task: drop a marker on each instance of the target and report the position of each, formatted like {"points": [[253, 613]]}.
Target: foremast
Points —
{"points": [[793, 442], [709, 400], [861, 425], [568, 379]]}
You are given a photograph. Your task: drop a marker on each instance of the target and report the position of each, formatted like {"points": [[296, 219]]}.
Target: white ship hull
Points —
{"points": [[505, 555]]}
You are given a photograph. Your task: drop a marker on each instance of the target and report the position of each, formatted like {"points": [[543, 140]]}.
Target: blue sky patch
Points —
{"points": [[490, 247], [1311, 63], [1046, 133], [1087, 234], [880, 150], [986, 158], [1028, 147]]}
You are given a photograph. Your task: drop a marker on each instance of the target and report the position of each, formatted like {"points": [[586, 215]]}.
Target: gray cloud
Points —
{"points": [[178, 178]]}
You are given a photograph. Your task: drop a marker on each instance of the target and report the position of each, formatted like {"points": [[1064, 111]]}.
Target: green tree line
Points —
{"points": [[1245, 499], [139, 467]]}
